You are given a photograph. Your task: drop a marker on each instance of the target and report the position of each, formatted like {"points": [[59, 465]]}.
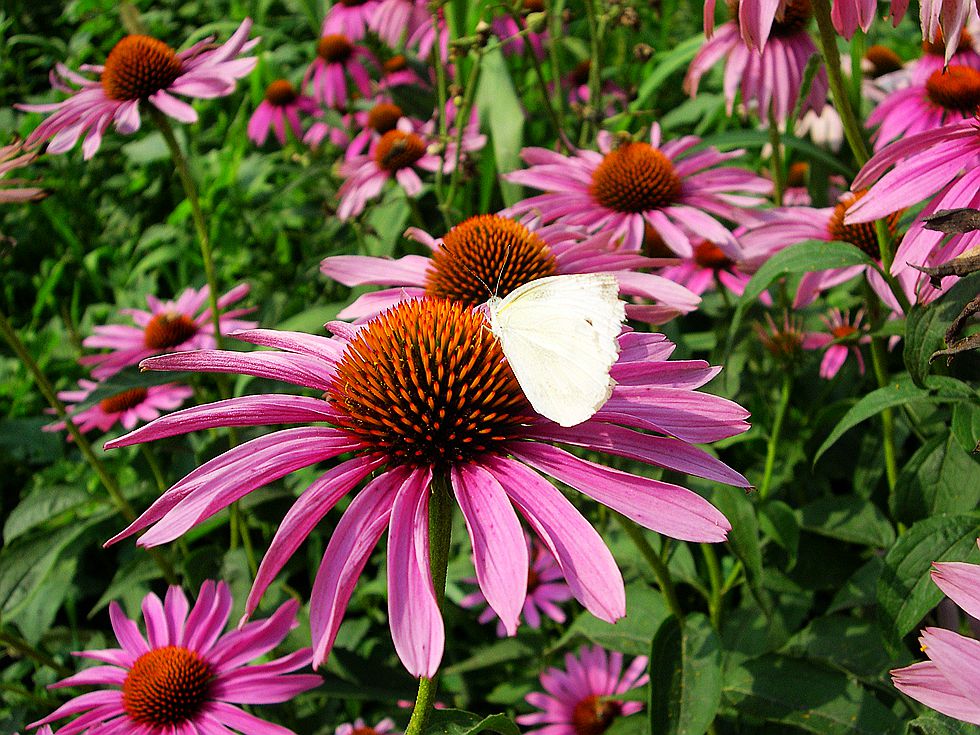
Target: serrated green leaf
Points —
{"points": [[40, 506], [685, 676], [458, 722], [940, 478], [848, 518], [926, 325], [906, 592]]}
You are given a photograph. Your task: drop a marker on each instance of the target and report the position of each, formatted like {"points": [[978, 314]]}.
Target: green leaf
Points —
{"points": [[501, 110], [966, 425], [508, 649], [458, 722], [806, 696], [685, 676], [780, 523], [758, 138], [905, 590], [842, 641], [808, 256], [312, 320], [848, 518], [937, 724], [663, 66], [632, 634], [940, 478], [40, 506], [744, 538], [926, 325]]}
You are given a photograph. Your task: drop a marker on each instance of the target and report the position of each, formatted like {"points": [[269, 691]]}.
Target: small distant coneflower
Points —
{"points": [[282, 105], [350, 18], [128, 407], [842, 338], [338, 57]]}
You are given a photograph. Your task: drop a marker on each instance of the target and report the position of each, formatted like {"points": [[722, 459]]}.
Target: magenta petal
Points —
{"points": [[361, 270], [961, 583], [253, 639], [499, 550], [660, 506], [290, 368], [925, 683], [231, 716], [413, 613], [589, 568], [127, 632]]}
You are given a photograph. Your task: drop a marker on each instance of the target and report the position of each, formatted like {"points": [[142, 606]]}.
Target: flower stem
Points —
{"points": [[200, 226], [593, 108], [660, 570], [27, 650], [714, 578], [442, 94], [440, 535], [462, 118], [778, 179], [878, 359], [47, 390], [828, 45], [773, 444]]}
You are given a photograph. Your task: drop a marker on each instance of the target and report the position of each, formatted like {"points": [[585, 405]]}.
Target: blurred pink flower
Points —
{"points": [[493, 251], [843, 337], [948, 682], [545, 587], [336, 58], [127, 407], [934, 53], [710, 267], [282, 105], [13, 157], [943, 22], [359, 727], [424, 391], [139, 70], [624, 187], [412, 24], [185, 676], [350, 18], [374, 122], [770, 79], [578, 700], [169, 326]]}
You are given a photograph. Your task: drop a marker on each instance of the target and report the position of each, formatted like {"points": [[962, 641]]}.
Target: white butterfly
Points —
{"points": [[559, 336]]}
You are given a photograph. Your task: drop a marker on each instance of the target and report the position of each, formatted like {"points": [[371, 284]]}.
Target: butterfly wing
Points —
{"points": [[560, 337]]}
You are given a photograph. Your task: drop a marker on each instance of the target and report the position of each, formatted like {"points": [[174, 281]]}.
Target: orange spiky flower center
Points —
{"points": [[168, 329], [166, 687], [398, 149], [384, 116], [593, 716], [955, 88], [863, 234], [426, 384], [842, 331], [123, 401], [334, 48], [139, 66], [635, 177], [281, 93], [487, 252]]}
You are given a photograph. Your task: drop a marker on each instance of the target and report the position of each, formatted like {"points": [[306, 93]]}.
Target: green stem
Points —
{"points": [[48, 391], [462, 118], [442, 96], [200, 226], [151, 460], [773, 444], [563, 141], [26, 649], [593, 108], [657, 566], [828, 45], [440, 535], [878, 361], [778, 177], [555, 31], [714, 577]]}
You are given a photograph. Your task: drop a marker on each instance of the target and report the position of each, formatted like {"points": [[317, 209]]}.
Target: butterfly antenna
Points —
{"points": [[500, 273], [472, 272]]}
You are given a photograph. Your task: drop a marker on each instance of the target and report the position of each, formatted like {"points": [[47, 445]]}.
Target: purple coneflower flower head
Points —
{"points": [[336, 59], [965, 53], [139, 70], [411, 23], [282, 105], [613, 97], [128, 407], [396, 72], [169, 326], [710, 267], [947, 96], [948, 681], [491, 251], [359, 727], [841, 339], [783, 341], [623, 188], [350, 18], [770, 79], [13, 191], [546, 588], [380, 118], [578, 700], [184, 676], [425, 391]]}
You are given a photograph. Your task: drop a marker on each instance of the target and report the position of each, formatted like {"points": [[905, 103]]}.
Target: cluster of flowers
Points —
{"points": [[416, 391]]}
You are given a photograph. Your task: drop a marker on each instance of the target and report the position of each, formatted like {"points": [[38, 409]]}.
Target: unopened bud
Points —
{"points": [[642, 51], [536, 22]]}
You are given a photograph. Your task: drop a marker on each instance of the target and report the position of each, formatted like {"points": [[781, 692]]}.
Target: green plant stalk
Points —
{"points": [[714, 578], [657, 566], [827, 37], [554, 9], [200, 226], [442, 96], [878, 350], [462, 117], [596, 28], [47, 390], [27, 650], [773, 444], [151, 460], [778, 178], [440, 536]]}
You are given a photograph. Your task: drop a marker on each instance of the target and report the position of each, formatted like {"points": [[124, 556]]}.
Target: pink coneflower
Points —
{"points": [[380, 118], [185, 676], [336, 59], [396, 155], [943, 160], [626, 187], [182, 324], [396, 72], [412, 24], [422, 392], [13, 157], [613, 97], [127, 407], [350, 18], [841, 339], [492, 251], [948, 681], [282, 104], [545, 587], [947, 96], [139, 70], [359, 727], [577, 701], [710, 267], [933, 58], [757, 19], [512, 35], [770, 81]]}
